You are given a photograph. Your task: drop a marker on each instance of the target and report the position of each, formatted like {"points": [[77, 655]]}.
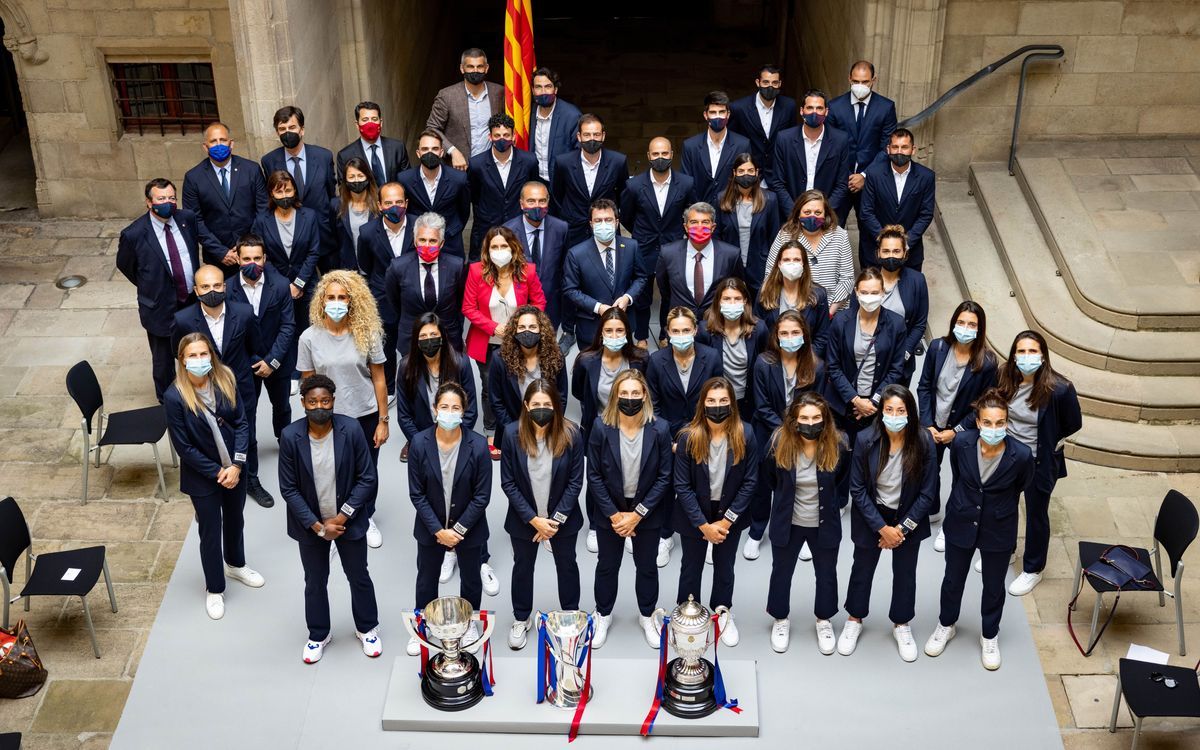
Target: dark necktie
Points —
{"points": [[225, 181], [698, 280], [608, 266], [181, 289], [377, 166], [298, 177], [858, 115], [430, 288], [535, 251]]}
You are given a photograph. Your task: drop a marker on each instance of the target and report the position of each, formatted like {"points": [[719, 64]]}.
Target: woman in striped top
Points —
{"points": [[814, 224]]}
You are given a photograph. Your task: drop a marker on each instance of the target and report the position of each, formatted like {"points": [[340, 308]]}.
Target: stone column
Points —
{"points": [[262, 48], [904, 40]]}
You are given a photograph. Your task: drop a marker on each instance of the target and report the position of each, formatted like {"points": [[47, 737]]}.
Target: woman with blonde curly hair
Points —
{"points": [[345, 343]]}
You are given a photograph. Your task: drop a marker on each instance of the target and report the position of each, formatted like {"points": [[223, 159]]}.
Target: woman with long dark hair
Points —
{"points": [[749, 217], [357, 202], [789, 286], [904, 292], [730, 327], [430, 362], [291, 237]]}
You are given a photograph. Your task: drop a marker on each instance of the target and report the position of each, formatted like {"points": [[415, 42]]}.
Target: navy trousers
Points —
{"points": [[610, 550], [958, 564], [1037, 528], [904, 581], [566, 568], [783, 565], [314, 556], [691, 569], [429, 565], [220, 523]]}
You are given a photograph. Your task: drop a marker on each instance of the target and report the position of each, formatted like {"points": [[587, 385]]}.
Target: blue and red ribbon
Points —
{"points": [[718, 681], [648, 724], [587, 681]]}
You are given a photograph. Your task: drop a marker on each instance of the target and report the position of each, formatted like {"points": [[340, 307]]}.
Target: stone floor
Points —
{"points": [[43, 331]]}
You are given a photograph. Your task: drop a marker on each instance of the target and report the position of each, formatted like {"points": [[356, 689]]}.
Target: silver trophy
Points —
{"points": [[452, 680], [569, 634], [688, 684]]}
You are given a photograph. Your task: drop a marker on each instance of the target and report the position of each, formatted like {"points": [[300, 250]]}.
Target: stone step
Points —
{"points": [[1046, 301], [1138, 447]]}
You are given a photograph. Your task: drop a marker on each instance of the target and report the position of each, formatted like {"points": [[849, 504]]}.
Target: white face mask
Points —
{"points": [[792, 269], [870, 302], [860, 91], [500, 257]]}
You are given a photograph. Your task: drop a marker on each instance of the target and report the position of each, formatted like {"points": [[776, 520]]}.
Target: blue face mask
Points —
{"points": [[682, 343], [502, 144], [163, 210], [992, 435], [965, 335], [732, 310], [335, 311], [199, 367], [1029, 363], [604, 232], [812, 223], [615, 343], [537, 213], [448, 420], [219, 152], [791, 343], [895, 423]]}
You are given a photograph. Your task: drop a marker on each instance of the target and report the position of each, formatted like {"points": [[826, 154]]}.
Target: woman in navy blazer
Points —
{"points": [[716, 468], [356, 204], [729, 326], [745, 205], [808, 458], [527, 352], [450, 485], [294, 256], [629, 491], [430, 363], [541, 472], [202, 402], [789, 286], [1043, 411], [893, 481], [904, 293]]}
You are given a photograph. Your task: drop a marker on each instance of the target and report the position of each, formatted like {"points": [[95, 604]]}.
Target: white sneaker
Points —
{"points": [[752, 548], [491, 584], [708, 555], [245, 575], [215, 605], [849, 638], [648, 630], [600, 624], [805, 553], [371, 644], [414, 646], [664, 552], [518, 635], [905, 643], [1024, 583], [781, 634], [471, 637], [939, 544], [374, 537], [826, 641], [592, 545], [978, 564], [990, 653], [313, 650], [729, 631], [449, 563], [938, 640], [629, 545]]}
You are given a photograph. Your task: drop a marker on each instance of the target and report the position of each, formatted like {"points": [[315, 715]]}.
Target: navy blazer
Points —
{"points": [[357, 479], [697, 164], [585, 282], [815, 315], [1058, 420], [240, 345], [564, 133], [674, 268], [375, 257], [771, 397], [404, 289], [494, 202], [414, 413], [224, 219], [764, 226], [671, 402], [744, 119], [394, 158], [199, 460], [917, 499], [869, 138], [570, 199], [694, 506], [142, 260], [505, 393], [880, 207], [842, 366], [320, 186], [639, 212], [344, 250], [970, 387], [276, 318], [566, 481], [468, 497], [755, 344], [783, 500], [985, 515], [585, 385], [452, 200], [606, 478], [300, 266], [914, 293], [553, 244], [833, 168]]}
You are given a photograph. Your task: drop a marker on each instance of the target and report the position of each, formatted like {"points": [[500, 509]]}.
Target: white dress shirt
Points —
{"points": [[661, 189], [541, 142], [366, 147], [396, 238], [706, 263], [253, 290], [503, 167], [590, 170], [901, 178], [714, 151], [160, 229], [812, 150], [479, 110], [766, 113], [431, 186], [216, 327]]}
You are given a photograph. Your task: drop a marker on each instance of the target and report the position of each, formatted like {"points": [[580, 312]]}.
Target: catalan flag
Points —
{"points": [[518, 67]]}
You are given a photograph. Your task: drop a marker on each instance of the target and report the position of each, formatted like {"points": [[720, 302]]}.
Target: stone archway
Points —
{"points": [[18, 185]]}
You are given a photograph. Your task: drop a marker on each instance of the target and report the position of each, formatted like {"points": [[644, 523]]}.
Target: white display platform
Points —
{"points": [[623, 692]]}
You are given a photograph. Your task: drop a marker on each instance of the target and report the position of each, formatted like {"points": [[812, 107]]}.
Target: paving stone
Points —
{"points": [[67, 651], [33, 444], [103, 522], [14, 296], [102, 295], [39, 268], [82, 706], [1130, 219], [1086, 166], [1147, 166], [1091, 697], [1161, 201], [1152, 182], [56, 323], [1102, 201], [171, 519], [59, 350]]}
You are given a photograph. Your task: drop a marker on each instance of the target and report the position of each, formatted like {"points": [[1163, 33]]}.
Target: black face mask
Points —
{"points": [[768, 92], [592, 147], [630, 407], [319, 416], [289, 139], [660, 164], [891, 264], [745, 180], [717, 414], [528, 339], [285, 203], [899, 159], [809, 431], [474, 78], [430, 160], [358, 186], [430, 347], [212, 299], [541, 416]]}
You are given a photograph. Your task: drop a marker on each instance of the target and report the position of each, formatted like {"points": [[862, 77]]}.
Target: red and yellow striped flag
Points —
{"points": [[518, 67]]}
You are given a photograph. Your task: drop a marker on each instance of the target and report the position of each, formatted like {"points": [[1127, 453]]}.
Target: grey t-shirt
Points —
{"points": [[631, 462], [209, 400], [287, 233], [540, 465], [528, 376], [324, 474], [449, 462], [604, 387], [432, 383], [338, 358], [745, 217], [1022, 418], [806, 502], [685, 372], [893, 301], [718, 457], [987, 466], [864, 355], [736, 362], [889, 481], [357, 219], [947, 388]]}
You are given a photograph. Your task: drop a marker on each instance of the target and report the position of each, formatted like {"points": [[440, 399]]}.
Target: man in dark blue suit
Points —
{"points": [[708, 156], [898, 191], [602, 272], [226, 192], [544, 240], [496, 177], [429, 187], [813, 156], [762, 116], [381, 241], [159, 253], [553, 126], [427, 280], [387, 157], [312, 169], [652, 210], [584, 176], [868, 118], [688, 270]]}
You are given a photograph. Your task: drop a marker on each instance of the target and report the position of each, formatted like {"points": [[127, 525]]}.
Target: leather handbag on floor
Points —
{"points": [[21, 671], [1119, 568]]}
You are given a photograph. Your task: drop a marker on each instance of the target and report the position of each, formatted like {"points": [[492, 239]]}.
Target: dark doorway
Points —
{"points": [[17, 180]]}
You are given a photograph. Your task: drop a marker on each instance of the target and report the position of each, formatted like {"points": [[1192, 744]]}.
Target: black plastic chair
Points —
{"points": [[133, 427], [10, 741], [1175, 529], [46, 577], [1147, 693]]}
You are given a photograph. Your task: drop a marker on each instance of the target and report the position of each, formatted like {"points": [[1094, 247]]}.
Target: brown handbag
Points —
{"points": [[21, 671]]}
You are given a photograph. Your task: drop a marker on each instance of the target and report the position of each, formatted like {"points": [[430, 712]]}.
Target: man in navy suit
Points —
{"points": [[427, 280], [544, 240], [233, 331], [708, 156], [227, 193], [813, 156], [159, 253], [602, 272], [387, 157], [762, 116], [381, 241], [584, 176], [553, 126], [688, 270], [312, 169], [496, 177], [868, 118], [429, 187], [898, 191], [652, 210]]}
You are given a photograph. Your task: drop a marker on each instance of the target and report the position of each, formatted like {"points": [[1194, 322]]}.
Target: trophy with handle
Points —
{"points": [[567, 637], [687, 690], [452, 679]]}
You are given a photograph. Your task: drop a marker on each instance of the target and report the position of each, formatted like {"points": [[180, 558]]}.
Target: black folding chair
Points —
{"points": [[10, 741], [1156, 690], [133, 427], [49, 576], [1175, 528]]}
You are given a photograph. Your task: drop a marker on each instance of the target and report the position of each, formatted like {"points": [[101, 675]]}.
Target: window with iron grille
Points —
{"points": [[164, 97]]}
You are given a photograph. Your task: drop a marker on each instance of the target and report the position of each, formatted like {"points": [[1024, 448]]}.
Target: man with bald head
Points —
{"points": [[226, 192], [652, 210], [868, 118]]}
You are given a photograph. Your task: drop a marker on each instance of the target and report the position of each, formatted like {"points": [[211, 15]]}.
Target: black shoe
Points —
{"points": [[255, 490]]}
